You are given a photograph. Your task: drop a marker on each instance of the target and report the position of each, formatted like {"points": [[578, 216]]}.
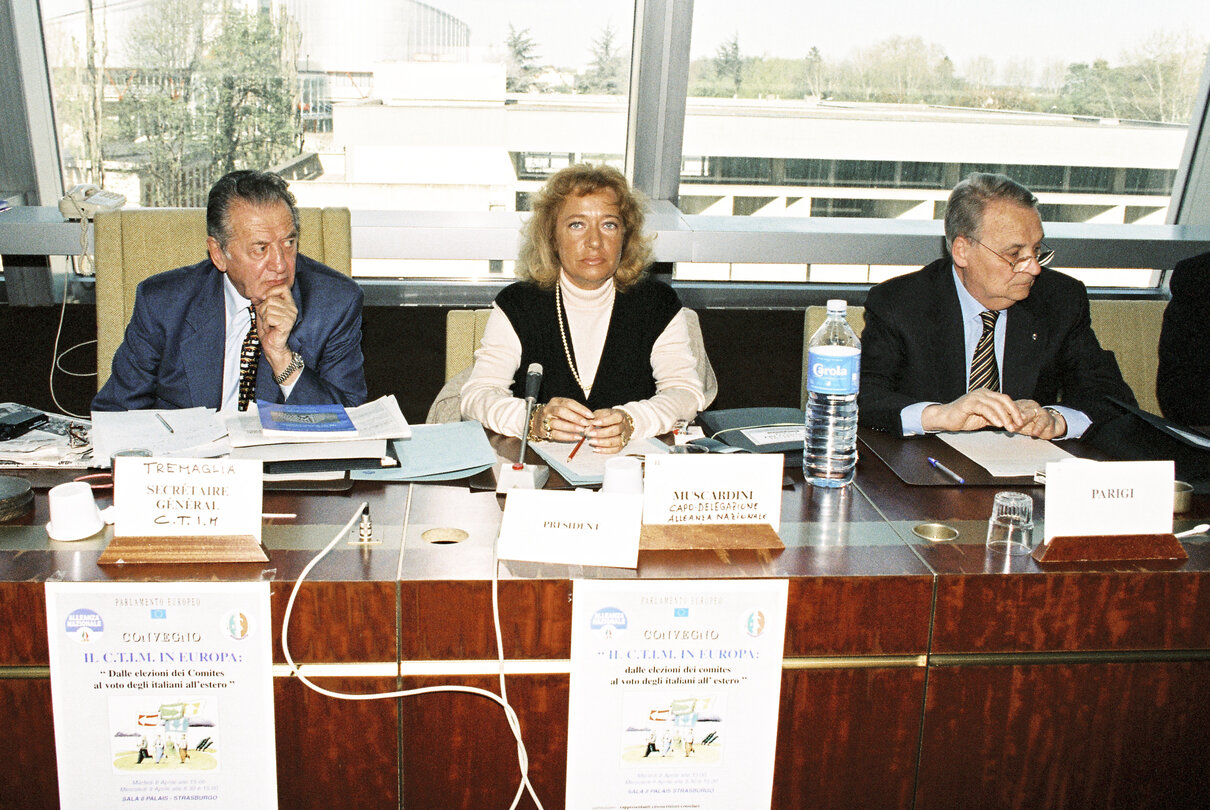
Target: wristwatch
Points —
{"points": [[1054, 413], [296, 364]]}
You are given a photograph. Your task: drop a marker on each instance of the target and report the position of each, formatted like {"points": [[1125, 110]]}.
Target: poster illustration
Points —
{"points": [[674, 693], [162, 693]]}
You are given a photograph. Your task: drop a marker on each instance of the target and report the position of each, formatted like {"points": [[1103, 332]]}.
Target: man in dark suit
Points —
{"points": [[1182, 383], [288, 324], [986, 337]]}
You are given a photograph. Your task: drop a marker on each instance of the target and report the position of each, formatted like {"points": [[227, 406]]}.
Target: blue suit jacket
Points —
{"points": [[172, 353], [913, 348]]}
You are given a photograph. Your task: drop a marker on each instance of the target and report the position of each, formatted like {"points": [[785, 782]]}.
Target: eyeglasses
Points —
{"points": [[1020, 265], [77, 435]]}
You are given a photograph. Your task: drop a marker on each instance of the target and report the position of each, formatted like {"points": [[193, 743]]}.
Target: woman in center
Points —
{"points": [[614, 345]]}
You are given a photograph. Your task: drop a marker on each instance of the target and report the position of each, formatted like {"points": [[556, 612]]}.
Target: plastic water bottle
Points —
{"points": [[833, 375]]}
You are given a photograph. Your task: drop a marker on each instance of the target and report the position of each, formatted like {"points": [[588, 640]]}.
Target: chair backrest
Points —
{"points": [[1130, 329], [136, 243], [463, 334]]}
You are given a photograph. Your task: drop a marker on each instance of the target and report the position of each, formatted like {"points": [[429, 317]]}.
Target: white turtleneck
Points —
{"points": [[680, 390]]}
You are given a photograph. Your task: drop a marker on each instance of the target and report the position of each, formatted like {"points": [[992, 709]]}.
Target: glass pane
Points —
{"points": [[447, 105], [1089, 108]]}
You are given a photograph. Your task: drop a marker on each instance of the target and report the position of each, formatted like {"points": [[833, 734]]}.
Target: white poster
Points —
{"points": [[162, 693], [674, 693]]}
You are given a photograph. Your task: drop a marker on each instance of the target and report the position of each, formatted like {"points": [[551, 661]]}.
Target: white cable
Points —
{"points": [[509, 714], [522, 756], [56, 357]]}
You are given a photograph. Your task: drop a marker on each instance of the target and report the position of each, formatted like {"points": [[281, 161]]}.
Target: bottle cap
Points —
{"points": [[837, 305]]}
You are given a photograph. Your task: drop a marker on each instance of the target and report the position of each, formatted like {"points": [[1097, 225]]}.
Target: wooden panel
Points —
{"points": [[28, 776], [848, 738], [23, 615], [1073, 611], [460, 753], [858, 615], [1096, 735], [343, 622], [336, 753], [453, 620]]}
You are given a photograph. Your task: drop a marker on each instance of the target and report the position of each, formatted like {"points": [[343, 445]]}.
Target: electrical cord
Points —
{"points": [[509, 713], [57, 357]]}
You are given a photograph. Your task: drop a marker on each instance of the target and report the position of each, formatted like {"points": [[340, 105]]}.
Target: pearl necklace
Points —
{"points": [[566, 347]]}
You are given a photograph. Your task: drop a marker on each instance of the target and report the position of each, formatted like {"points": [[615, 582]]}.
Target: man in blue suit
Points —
{"points": [[298, 322]]}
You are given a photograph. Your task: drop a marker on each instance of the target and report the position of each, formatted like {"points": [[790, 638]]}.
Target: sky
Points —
{"points": [[1046, 30], [1043, 31]]}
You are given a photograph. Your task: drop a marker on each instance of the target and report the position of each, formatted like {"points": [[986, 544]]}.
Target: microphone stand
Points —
{"points": [[520, 475]]}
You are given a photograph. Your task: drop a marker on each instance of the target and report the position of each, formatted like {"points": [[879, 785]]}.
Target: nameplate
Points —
{"points": [[187, 497], [571, 528], [1099, 498], [734, 488]]}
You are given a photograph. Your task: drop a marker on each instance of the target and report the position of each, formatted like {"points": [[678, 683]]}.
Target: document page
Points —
{"points": [[1005, 455], [192, 432], [588, 467]]}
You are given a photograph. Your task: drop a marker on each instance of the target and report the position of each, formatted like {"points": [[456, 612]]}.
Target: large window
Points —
{"points": [[896, 102], [796, 112], [448, 105]]}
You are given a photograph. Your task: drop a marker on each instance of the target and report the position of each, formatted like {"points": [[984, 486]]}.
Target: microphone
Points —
{"points": [[533, 381], [520, 475]]}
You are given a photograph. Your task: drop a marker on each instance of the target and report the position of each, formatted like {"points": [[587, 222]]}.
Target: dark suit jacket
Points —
{"points": [[1182, 383], [913, 348], [172, 353]]}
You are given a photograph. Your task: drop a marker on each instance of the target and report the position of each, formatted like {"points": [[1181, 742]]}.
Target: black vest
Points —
{"points": [[624, 374]]}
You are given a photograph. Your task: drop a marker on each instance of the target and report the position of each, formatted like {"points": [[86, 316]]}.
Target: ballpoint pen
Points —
{"points": [[576, 449], [164, 422], [938, 465]]}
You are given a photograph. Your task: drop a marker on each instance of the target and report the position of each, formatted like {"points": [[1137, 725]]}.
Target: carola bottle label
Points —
{"points": [[833, 370]]}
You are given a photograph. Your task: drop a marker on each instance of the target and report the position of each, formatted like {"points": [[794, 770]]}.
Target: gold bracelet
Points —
{"points": [[628, 432], [532, 428]]}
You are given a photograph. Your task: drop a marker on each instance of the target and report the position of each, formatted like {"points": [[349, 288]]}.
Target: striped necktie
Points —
{"points": [[249, 354], [984, 373]]}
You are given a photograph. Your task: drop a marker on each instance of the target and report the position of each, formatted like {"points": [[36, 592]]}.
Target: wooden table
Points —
{"points": [[914, 673]]}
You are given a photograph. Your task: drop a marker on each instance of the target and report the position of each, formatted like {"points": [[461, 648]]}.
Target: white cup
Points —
{"points": [[623, 475], [1010, 529], [73, 512]]}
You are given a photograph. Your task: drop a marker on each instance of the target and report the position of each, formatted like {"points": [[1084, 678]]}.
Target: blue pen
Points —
{"points": [[937, 464]]}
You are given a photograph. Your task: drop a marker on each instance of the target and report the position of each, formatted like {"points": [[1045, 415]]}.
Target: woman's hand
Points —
{"points": [[610, 430], [563, 420]]}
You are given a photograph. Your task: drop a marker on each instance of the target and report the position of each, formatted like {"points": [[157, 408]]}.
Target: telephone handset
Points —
{"points": [[84, 201]]}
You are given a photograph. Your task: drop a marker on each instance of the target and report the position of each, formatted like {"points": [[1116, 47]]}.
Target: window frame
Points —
{"points": [[653, 161]]}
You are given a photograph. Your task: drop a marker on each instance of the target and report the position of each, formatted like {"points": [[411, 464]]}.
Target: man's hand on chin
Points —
{"points": [[972, 411], [275, 317]]}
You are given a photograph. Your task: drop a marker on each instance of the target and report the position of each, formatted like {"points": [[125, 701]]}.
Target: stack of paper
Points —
{"points": [[187, 433], [587, 467], [1005, 455], [444, 452], [47, 445], [376, 423]]}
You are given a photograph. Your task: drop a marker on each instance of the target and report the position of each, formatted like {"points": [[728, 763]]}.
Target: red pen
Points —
{"points": [[576, 449]]}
